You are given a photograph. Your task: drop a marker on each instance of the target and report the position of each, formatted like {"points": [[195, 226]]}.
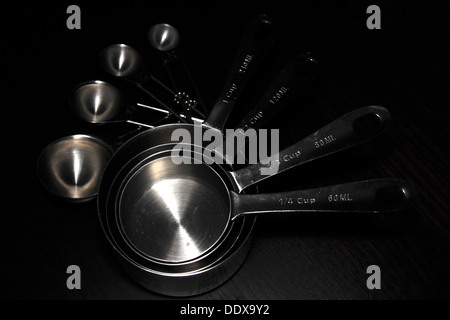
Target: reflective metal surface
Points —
{"points": [[71, 167], [177, 212], [213, 268], [369, 196], [174, 213], [111, 220], [163, 37], [353, 128], [182, 279], [120, 60], [175, 279], [198, 281], [154, 198], [96, 101], [168, 220]]}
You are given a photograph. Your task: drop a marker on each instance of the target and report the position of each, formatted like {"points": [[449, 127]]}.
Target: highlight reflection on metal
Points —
{"points": [[96, 101], [71, 167], [163, 215], [120, 60], [166, 208], [163, 37]]}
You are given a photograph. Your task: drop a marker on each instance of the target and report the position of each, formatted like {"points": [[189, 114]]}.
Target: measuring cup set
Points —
{"points": [[183, 229]]}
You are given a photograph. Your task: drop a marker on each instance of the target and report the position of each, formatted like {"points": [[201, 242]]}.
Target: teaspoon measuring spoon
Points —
{"points": [[125, 62], [165, 38], [100, 102]]}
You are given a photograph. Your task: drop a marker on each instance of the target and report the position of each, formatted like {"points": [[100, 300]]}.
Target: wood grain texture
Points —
{"points": [[404, 67]]}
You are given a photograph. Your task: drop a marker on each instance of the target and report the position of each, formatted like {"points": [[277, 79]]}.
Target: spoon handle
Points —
{"points": [[349, 130], [161, 103], [294, 80], [375, 195], [174, 71], [255, 44], [186, 91], [164, 111]]}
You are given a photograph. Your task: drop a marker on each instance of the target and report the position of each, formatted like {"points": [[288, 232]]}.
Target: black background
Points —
{"points": [[404, 67]]}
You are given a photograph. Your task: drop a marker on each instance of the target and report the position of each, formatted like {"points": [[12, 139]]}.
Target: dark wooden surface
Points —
{"points": [[404, 67]]}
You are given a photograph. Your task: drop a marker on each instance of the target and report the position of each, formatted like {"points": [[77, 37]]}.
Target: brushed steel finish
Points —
{"points": [[177, 212], [366, 196], [110, 213], [121, 60], [163, 37], [184, 284], [71, 167], [125, 62], [174, 213], [153, 185], [182, 279], [96, 101], [351, 129]]}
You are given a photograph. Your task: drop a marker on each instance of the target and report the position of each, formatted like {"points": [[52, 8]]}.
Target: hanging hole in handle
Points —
{"points": [[263, 30], [305, 64], [392, 195], [367, 124]]}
